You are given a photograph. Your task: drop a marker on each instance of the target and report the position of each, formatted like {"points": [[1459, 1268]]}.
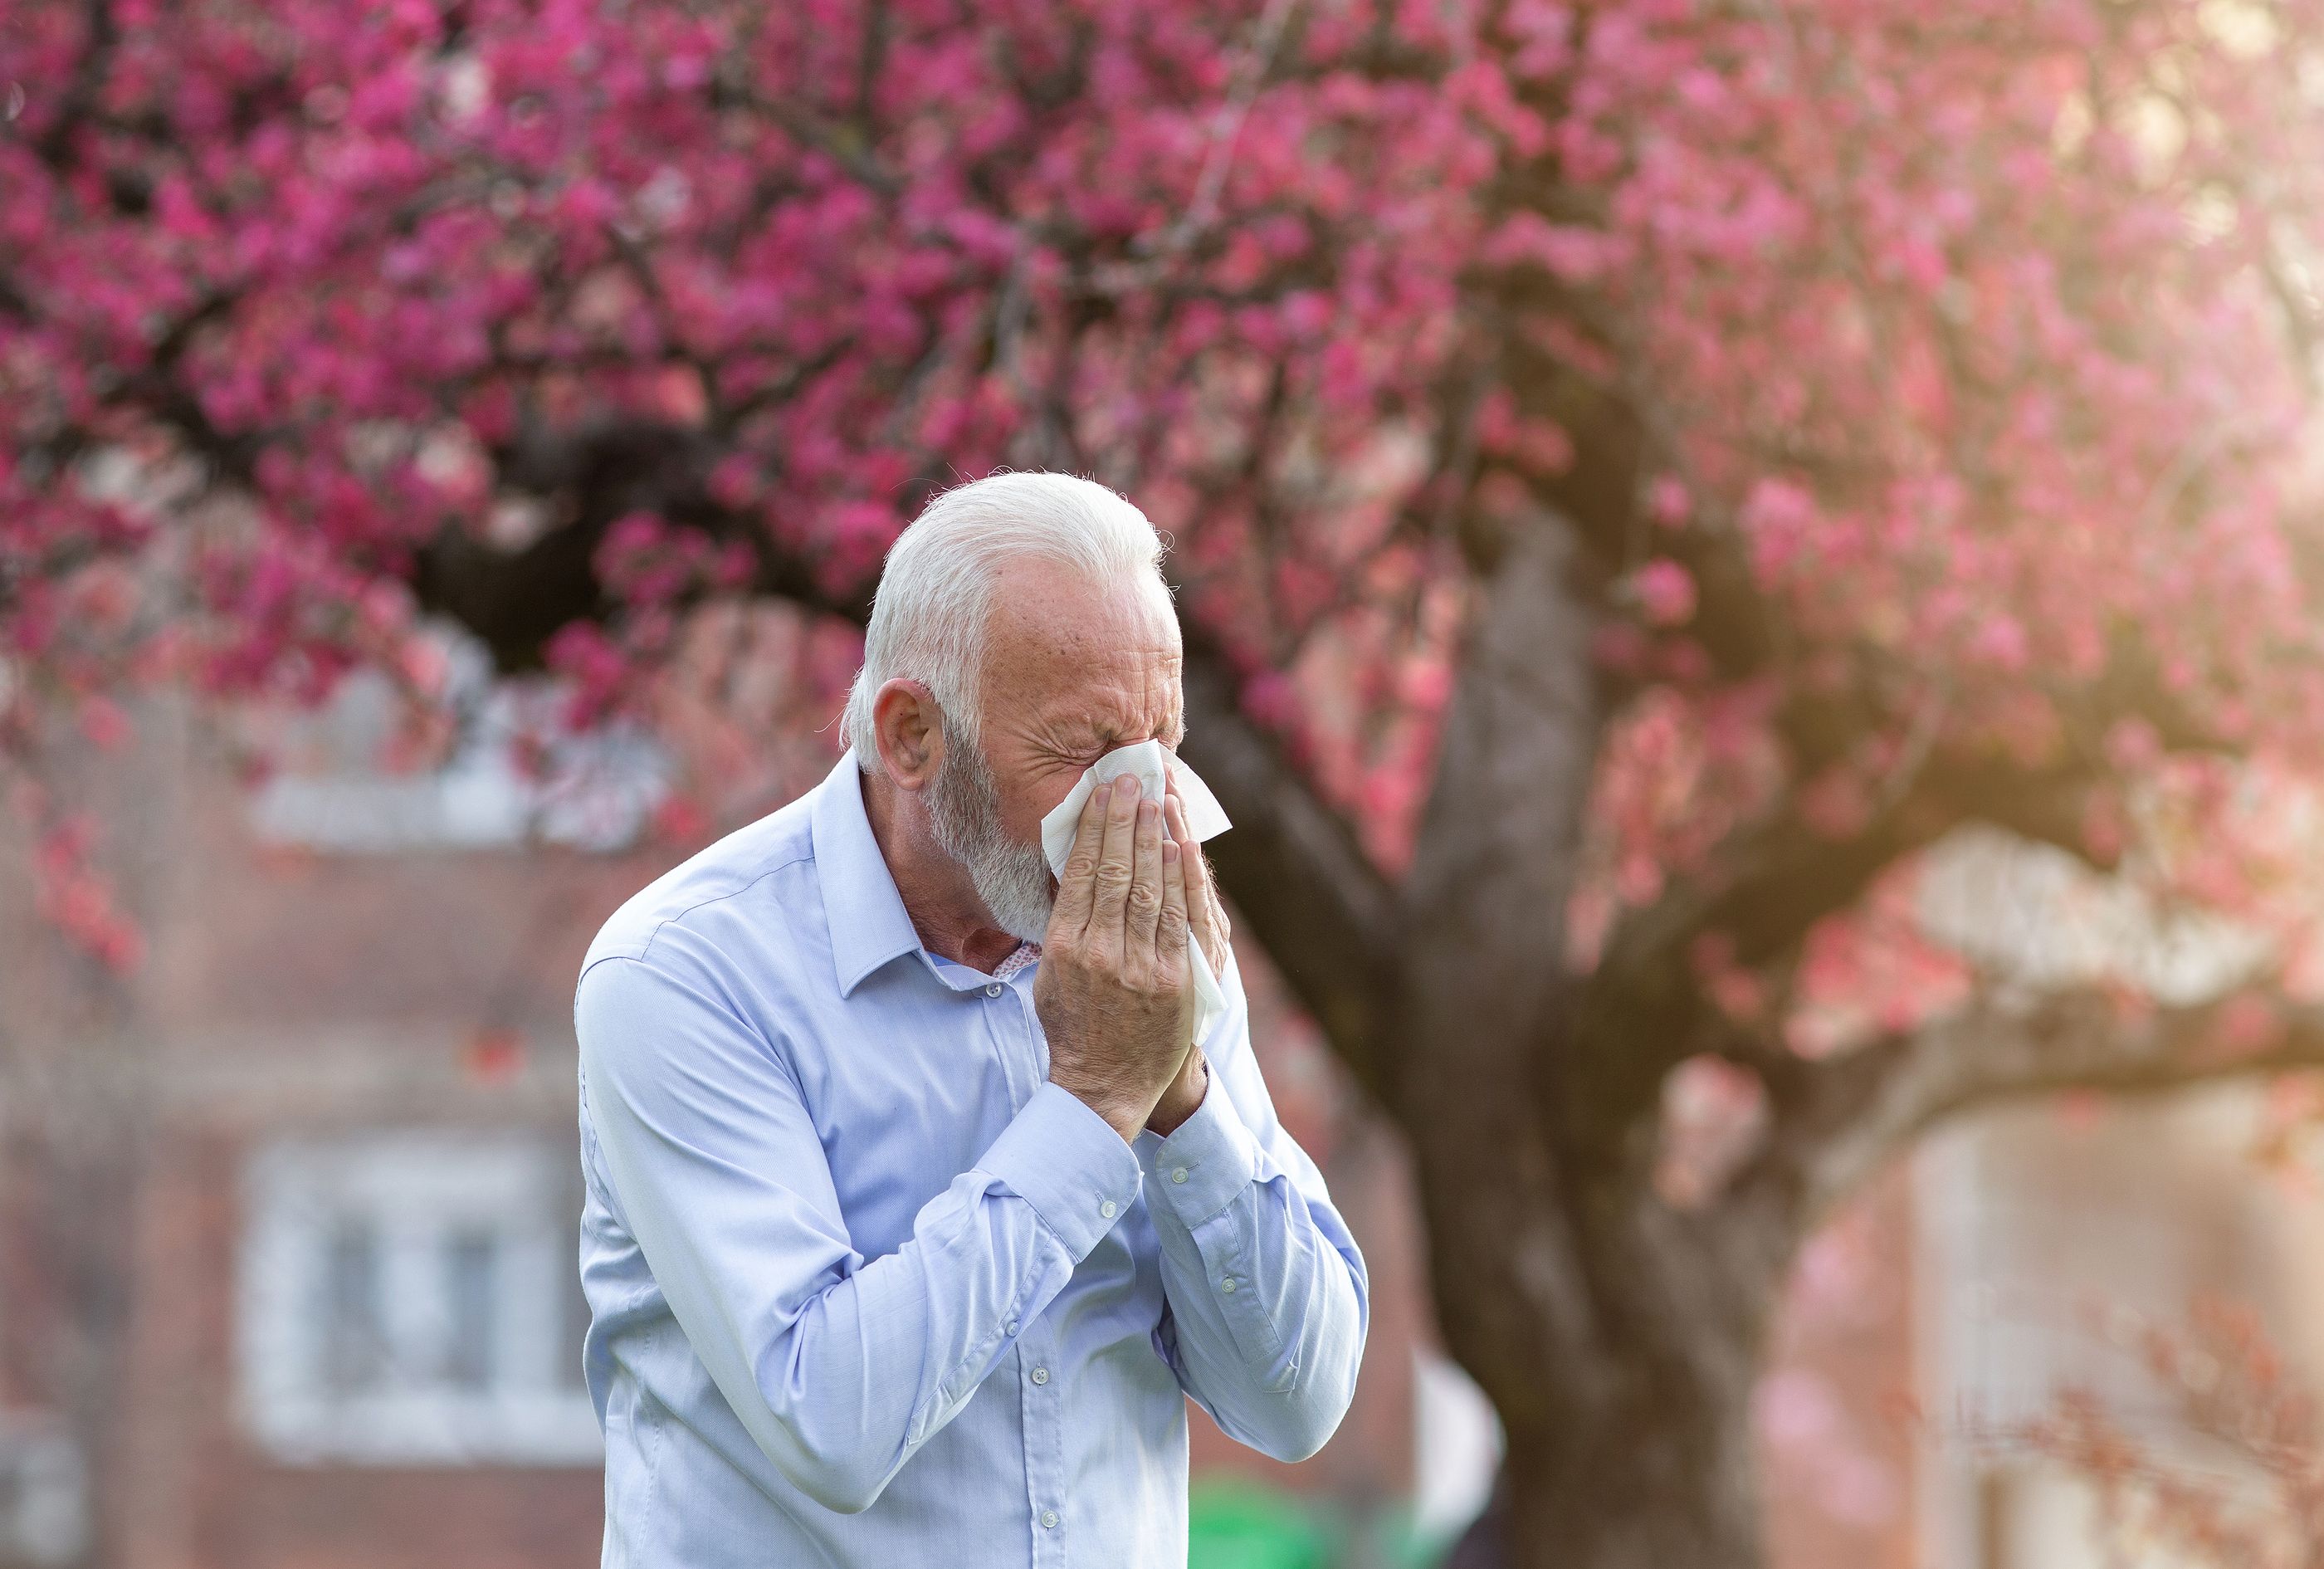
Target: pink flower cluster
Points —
{"points": [[1977, 334]]}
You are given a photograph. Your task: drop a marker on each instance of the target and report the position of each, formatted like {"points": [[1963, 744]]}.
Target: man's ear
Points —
{"points": [[910, 728]]}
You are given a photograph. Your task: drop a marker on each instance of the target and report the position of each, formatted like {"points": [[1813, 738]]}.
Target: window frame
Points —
{"points": [[421, 1192]]}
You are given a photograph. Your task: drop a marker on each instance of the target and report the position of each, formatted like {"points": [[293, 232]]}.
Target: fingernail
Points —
{"points": [[1169, 852], [1127, 784]]}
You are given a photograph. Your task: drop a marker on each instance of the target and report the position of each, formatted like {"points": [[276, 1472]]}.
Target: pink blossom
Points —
{"points": [[1665, 593], [1835, 263]]}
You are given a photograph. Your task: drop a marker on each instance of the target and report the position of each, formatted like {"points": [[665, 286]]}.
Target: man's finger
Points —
{"points": [[1170, 928], [1145, 907], [1076, 883], [1208, 922], [1116, 860], [1170, 936]]}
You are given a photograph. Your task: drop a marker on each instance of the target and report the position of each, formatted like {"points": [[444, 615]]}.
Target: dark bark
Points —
{"points": [[1617, 1337]]}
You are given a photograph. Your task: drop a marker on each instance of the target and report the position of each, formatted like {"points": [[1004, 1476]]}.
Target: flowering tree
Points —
{"points": [[2240, 1479], [1643, 473]]}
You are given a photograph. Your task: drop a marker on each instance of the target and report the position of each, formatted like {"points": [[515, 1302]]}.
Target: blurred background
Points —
{"points": [[290, 1207], [1752, 580]]}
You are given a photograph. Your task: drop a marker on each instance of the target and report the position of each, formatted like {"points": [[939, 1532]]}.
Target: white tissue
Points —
{"points": [[1205, 819]]}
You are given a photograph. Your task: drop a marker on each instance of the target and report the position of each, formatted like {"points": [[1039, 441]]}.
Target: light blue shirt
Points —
{"points": [[867, 1289]]}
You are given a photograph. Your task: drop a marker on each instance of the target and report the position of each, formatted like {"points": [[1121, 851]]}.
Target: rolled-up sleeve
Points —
{"points": [[1269, 1301], [839, 1368]]}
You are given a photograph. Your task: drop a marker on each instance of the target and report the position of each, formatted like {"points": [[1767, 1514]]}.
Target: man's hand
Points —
{"points": [[1116, 991]]}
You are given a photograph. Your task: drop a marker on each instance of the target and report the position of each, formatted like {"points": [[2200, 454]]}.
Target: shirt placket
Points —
{"points": [[1043, 1398], [1036, 1362]]}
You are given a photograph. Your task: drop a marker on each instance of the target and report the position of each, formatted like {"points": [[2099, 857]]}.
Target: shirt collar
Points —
{"points": [[868, 924]]}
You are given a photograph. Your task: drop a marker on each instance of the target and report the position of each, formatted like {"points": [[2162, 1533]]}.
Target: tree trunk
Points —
{"points": [[1617, 1336], [1621, 1497], [1620, 1342]]}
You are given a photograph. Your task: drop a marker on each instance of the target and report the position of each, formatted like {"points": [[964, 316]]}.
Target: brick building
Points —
{"points": [[288, 1273], [286, 1213]]}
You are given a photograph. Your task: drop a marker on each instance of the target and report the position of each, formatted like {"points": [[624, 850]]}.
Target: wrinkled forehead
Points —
{"points": [[1068, 650]]}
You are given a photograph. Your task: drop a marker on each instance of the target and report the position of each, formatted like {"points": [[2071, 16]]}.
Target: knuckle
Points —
{"points": [[1080, 865]]}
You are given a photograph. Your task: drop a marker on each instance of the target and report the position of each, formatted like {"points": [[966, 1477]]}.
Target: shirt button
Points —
{"points": [[1177, 1174], [1040, 1375], [1048, 1519], [993, 989], [1009, 1327], [1227, 1284], [1106, 1209]]}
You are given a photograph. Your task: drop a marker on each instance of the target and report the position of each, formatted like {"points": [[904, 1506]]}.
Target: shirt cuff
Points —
{"points": [[1069, 1164], [1206, 1161]]}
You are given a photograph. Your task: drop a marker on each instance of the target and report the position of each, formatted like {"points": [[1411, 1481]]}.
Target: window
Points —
{"points": [[410, 1298], [44, 1518], [2045, 1245], [331, 791]]}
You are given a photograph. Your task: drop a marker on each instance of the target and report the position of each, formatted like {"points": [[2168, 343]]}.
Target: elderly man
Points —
{"points": [[915, 1212]]}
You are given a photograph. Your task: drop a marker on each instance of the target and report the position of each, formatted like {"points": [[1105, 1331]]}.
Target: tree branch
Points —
{"points": [[1293, 869], [1852, 1113]]}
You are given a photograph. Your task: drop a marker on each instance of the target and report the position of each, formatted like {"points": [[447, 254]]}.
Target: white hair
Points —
{"points": [[935, 599]]}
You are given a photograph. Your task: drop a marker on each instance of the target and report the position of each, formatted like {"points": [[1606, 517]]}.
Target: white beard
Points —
{"points": [[964, 809]]}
